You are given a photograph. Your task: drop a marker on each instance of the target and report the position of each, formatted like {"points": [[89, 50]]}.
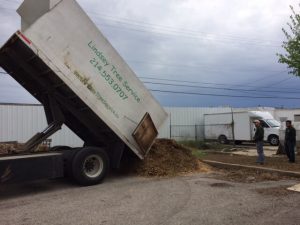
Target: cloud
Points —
{"points": [[226, 42]]}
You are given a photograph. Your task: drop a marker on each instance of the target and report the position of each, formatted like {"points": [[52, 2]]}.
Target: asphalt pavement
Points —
{"points": [[189, 200]]}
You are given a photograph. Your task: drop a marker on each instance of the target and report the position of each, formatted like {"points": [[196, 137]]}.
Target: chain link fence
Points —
{"points": [[187, 132], [197, 132]]}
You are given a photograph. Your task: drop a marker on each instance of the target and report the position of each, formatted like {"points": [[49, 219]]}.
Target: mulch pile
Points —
{"points": [[168, 158], [7, 148], [15, 147]]}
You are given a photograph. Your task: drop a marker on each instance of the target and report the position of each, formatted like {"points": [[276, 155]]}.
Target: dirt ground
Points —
{"points": [[166, 158], [249, 176], [279, 162]]}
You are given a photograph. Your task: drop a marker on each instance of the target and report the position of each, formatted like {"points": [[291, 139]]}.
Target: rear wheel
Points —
{"points": [[223, 139], [273, 140], [90, 166]]}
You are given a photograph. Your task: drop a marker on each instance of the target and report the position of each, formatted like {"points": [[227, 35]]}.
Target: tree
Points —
{"points": [[292, 44]]}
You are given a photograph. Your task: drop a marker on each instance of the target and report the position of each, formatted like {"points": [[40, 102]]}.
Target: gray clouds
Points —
{"points": [[215, 41]]}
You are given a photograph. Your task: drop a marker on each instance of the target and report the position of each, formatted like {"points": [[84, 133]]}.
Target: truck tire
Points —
{"points": [[90, 166], [273, 140], [222, 139]]}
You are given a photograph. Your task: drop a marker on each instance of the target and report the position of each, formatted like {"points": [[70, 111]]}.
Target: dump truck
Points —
{"points": [[65, 62]]}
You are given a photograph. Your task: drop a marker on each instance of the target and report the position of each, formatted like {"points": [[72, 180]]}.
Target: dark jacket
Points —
{"points": [[259, 134], [290, 134]]}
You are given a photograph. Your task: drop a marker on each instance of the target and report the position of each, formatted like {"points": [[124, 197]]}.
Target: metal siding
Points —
{"points": [[188, 116], [20, 122], [288, 113], [192, 116]]}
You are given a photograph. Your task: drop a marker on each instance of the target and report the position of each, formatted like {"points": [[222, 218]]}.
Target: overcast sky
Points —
{"points": [[189, 52]]}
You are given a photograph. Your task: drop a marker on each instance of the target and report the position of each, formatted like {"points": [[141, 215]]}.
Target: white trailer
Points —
{"points": [[238, 126], [63, 60]]}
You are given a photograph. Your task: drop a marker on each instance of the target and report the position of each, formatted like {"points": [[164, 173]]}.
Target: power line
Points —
{"points": [[206, 83], [218, 88], [185, 33], [202, 66], [236, 43], [217, 95], [182, 33], [127, 21], [231, 96], [122, 19], [277, 82]]}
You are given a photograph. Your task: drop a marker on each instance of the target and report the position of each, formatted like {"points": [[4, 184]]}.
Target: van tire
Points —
{"points": [[90, 166], [222, 139], [273, 140]]}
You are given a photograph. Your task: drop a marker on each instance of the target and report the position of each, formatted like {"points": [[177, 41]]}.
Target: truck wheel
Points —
{"points": [[273, 140], [223, 139], [90, 165]]}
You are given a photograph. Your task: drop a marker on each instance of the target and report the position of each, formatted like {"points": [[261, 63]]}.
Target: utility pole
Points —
{"points": [[232, 126]]}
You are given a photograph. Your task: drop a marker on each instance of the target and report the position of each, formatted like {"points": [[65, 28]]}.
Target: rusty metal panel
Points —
{"points": [[145, 133]]}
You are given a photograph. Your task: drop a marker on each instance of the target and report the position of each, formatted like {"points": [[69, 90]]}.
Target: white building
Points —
{"points": [[20, 122]]}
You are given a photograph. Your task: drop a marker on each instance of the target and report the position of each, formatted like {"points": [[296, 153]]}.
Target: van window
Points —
{"points": [[264, 124], [273, 123]]}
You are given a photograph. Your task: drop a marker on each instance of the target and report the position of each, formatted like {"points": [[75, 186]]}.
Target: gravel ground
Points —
{"points": [[187, 200]]}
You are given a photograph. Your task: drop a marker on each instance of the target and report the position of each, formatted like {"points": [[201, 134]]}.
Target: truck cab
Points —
{"points": [[270, 125]]}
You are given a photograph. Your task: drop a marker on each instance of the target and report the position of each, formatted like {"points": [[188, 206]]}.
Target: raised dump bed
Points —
{"points": [[62, 59]]}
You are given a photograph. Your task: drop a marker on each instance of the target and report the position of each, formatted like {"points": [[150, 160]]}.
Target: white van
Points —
{"points": [[238, 126]]}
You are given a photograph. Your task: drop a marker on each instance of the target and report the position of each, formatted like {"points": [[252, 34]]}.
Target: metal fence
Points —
{"points": [[197, 132], [187, 132]]}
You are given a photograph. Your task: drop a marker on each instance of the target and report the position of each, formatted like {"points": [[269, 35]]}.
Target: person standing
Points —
{"points": [[290, 141], [259, 140]]}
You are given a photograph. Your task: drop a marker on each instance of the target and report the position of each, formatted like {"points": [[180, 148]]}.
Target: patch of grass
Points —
{"points": [[198, 153], [195, 144], [203, 145]]}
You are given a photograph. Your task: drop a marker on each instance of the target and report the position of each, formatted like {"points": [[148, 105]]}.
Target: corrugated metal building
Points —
{"points": [[188, 123], [20, 122]]}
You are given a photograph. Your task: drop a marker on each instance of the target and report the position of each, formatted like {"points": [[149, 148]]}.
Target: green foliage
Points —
{"points": [[198, 153], [292, 44]]}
